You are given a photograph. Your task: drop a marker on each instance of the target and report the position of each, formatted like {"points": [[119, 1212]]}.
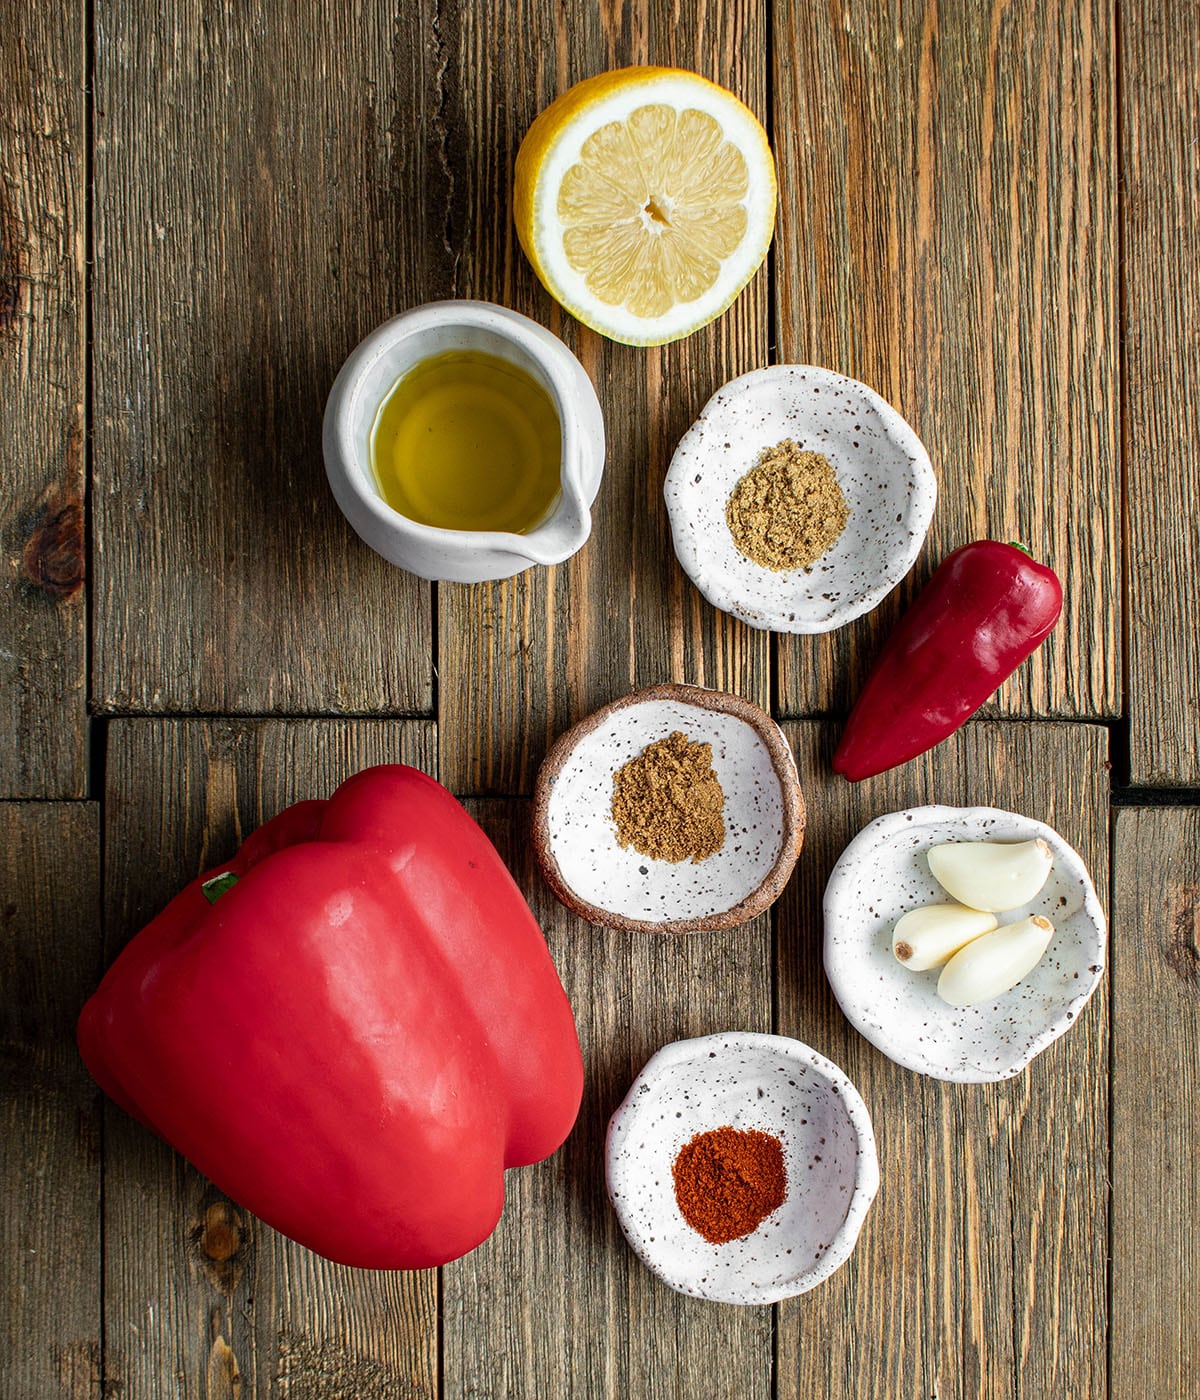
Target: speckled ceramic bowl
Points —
{"points": [[744, 1081], [882, 874], [881, 466], [575, 837]]}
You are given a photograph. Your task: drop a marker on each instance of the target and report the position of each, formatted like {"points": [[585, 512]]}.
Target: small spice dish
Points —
{"points": [[883, 470], [883, 874], [749, 1082], [575, 835]]}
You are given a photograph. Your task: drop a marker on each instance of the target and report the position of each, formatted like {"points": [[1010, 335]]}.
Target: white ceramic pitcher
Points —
{"points": [[464, 556]]}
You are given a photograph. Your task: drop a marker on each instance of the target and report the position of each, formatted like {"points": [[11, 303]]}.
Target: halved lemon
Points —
{"points": [[645, 200]]}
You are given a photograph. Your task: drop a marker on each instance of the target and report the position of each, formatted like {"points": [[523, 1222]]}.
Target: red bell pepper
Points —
{"points": [[986, 608], [357, 1035]]}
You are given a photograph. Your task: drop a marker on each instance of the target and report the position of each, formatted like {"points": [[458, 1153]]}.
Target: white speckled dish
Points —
{"points": [[745, 1081], [882, 874], [575, 836], [881, 466]]}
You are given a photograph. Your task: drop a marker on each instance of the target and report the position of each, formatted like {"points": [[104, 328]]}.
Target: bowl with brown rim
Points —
{"points": [[577, 840]]}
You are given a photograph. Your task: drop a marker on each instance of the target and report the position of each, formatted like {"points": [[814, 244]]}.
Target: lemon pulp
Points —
{"points": [[653, 207], [467, 441]]}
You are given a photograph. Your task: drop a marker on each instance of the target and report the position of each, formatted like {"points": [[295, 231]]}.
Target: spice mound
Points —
{"points": [[668, 803], [787, 510], [728, 1181]]}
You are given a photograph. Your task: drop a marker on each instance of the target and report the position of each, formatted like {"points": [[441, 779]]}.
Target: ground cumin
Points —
{"points": [[728, 1181], [788, 509], [668, 803]]}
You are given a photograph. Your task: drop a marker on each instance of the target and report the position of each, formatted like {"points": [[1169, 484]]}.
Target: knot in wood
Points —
{"points": [[221, 1233], [54, 553], [220, 1241]]}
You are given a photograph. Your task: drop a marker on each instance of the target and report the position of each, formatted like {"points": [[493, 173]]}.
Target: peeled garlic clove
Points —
{"points": [[927, 937], [992, 875], [990, 966]]}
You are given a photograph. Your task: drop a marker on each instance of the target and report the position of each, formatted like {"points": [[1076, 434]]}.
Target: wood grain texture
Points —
{"points": [[1160, 211], [1156, 1103], [186, 1314], [520, 660], [49, 1107], [555, 1303], [947, 234], [269, 187], [981, 1269], [43, 721]]}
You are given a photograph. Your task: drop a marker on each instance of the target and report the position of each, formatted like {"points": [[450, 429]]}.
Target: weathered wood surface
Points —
{"points": [[270, 183], [518, 661], [1156, 1104], [981, 1269], [43, 164], [268, 188], [947, 234], [49, 1107], [200, 1298], [1160, 209], [556, 1304]]}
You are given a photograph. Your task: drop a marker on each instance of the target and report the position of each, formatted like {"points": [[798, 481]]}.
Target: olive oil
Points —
{"points": [[467, 441]]}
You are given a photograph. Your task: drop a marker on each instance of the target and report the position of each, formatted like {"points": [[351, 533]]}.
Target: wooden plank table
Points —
{"points": [[987, 212]]}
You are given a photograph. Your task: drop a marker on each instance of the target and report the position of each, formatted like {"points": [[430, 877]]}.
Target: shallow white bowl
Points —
{"points": [[745, 1081], [575, 837], [881, 466], [882, 874]]}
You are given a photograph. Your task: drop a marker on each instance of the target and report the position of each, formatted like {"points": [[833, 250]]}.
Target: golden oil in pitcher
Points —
{"points": [[468, 441]]}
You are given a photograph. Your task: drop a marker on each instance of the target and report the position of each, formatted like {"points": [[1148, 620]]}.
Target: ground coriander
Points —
{"points": [[788, 509], [668, 803]]}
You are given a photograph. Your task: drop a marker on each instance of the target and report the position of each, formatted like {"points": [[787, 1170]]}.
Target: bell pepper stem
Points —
{"points": [[213, 889]]}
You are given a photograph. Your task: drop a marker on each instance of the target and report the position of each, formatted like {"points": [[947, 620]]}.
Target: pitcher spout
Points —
{"points": [[564, 533]]}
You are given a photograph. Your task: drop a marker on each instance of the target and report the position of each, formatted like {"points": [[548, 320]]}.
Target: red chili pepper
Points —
{"points": [[353, 1027], [988, 606]]}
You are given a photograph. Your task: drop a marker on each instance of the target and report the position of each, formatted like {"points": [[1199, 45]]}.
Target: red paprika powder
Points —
{"points": [[728, 1180]]}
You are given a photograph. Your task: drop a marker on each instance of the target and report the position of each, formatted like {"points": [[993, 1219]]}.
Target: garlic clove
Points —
{"points": [[926, 937], [992, 965], [992, 875]]}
